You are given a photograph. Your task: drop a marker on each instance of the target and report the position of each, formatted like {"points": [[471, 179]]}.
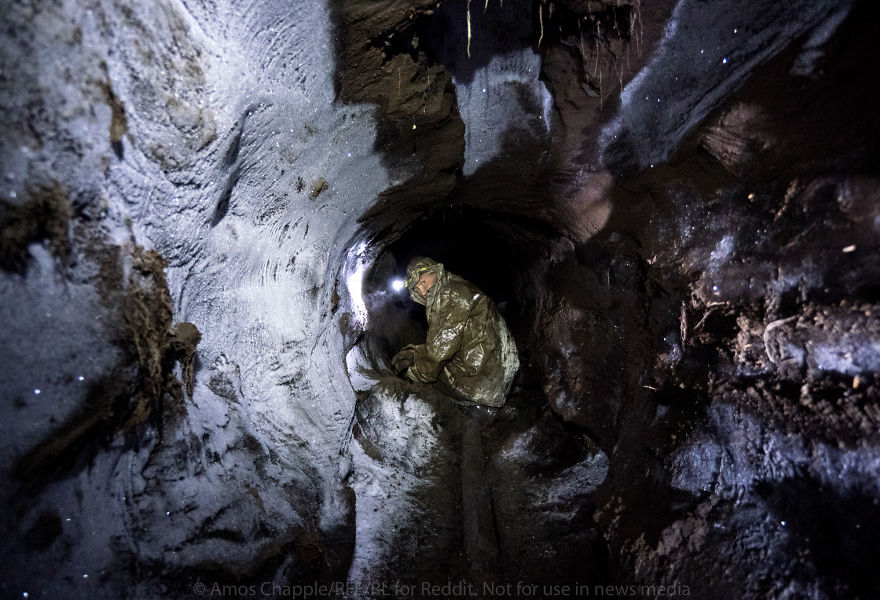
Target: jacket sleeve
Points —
{"points": [[444, 338]]}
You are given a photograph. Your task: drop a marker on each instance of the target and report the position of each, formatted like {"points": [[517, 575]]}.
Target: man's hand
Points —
{"points": [[403, 359]]}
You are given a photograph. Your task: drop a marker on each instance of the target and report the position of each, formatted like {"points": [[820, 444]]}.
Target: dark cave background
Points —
{"points": [[676, 206]]}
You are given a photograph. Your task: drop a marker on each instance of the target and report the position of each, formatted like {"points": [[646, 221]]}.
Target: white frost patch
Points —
{"points": [[357, 368], [229, 127], [700, 61], [626, 99], [387, 489], [722, 251], [633, 90], [613, 129], [805, 63], [833, 357], [518, 450], [742, 452], [490, 104], [547, 103], [695, 466], [355, 284], [581, 478]]}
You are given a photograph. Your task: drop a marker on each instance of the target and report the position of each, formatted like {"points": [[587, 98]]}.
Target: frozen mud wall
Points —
{"points": [[719, 331], [175, 163]]}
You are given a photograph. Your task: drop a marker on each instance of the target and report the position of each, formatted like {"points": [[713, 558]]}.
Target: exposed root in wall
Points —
{"points": [[142, 387]]}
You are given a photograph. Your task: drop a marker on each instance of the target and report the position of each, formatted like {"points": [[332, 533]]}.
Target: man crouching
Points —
{"points": [[469, 353]]}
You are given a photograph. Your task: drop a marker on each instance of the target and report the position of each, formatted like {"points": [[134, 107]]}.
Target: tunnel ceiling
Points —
{"points": [[675, 205]]}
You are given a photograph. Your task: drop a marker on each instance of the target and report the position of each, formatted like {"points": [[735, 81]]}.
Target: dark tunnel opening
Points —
{"points": [[475, 244]]}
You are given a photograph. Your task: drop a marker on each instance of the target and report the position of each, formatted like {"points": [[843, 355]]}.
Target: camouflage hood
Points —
{"points": [[415, 269]]}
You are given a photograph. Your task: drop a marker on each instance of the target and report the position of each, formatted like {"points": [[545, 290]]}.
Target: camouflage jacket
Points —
{"points": [[468, 346]]}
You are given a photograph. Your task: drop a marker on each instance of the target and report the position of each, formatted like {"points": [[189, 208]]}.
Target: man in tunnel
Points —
{"points": [[469, 353]]}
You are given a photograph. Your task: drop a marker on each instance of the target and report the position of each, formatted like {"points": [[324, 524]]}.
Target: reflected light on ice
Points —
{"points": [[355, 267], [355, 284]]}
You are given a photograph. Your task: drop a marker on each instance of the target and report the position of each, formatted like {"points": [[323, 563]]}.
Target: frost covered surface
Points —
{"points": [[404, 468], [491, 105], [198, 130], [704, 57], [496, 73]]}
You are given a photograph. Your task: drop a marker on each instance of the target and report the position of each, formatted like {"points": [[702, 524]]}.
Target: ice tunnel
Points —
{"points": [[205, 204]]}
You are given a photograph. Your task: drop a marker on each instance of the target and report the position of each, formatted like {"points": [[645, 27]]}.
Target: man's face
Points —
{"points": [[425, 283]]}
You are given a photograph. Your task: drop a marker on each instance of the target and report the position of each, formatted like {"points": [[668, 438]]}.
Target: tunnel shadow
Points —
{"points": [[833, 527]]}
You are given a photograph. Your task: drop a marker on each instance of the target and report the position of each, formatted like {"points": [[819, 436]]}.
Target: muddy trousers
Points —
{"points": [[483, 413]]}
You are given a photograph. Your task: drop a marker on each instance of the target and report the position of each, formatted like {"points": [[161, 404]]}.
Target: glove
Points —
{"points": [[403, 359]]}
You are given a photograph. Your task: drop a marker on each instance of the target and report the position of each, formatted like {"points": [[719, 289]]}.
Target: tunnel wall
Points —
{"points": [[191, 165]]}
